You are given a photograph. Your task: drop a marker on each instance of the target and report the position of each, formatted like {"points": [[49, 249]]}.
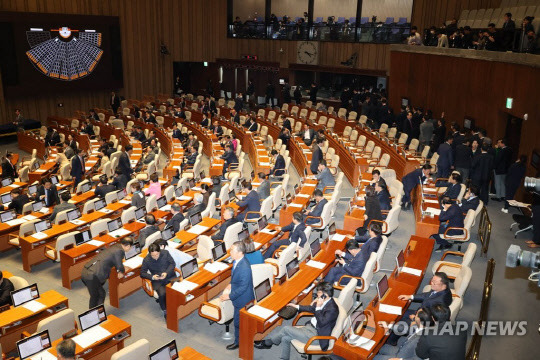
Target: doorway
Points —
{"points": [[513, 134]]}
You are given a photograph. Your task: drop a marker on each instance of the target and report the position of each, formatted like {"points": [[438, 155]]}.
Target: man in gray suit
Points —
{"points": [[426, 131], [264, 188], [324, 176], [64, 205], [96, 271], [406, 346], [150, 228], [198, 205]]}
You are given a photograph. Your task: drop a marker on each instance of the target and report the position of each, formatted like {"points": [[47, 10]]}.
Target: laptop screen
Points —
{"points": [[161, 202], [6, 216], [218, 251], [114, 225], [262, 222], [73, 214], [292, 267], [232, 195], [32, 189], [92, 317], [86, 187], [178, 192], [25, 295], [37, 206], [167, 233], [100, 204], [42, 225], [140, 212], [189, 268], [166, 352], [262, 290], [82, 237], [33, 344], [400, 260], [382, 287], [315, 247], [133, 251], [6, 198], [332, 229], [6, 182], [121, 194], [243, 235], [195, 218], [191, 183], [54, 180]]}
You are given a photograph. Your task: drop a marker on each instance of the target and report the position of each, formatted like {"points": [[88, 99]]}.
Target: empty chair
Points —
{"points": [[26, 229], [62, 242], [98, 227], [18, 282], [451, 268], [139, 350], [58, 324], [380, 253], [455, 307], [128, 215]]}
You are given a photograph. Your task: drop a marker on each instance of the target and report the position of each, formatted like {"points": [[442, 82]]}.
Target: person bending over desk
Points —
{"points": [[18, 200], [6, 287], [373, 212], [296, 235], [325, 311]]}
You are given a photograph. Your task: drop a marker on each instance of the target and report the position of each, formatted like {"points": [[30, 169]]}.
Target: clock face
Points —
{"points": [[308, 52]]}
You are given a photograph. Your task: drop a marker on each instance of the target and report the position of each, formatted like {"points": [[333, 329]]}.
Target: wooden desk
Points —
{"points": [[28, 141], [6, 274], [300, 202], [188, 353], [5, 230], [44, 171], [425, 225], [185, 237], [255, 328], [105, 348], [16, 320]]}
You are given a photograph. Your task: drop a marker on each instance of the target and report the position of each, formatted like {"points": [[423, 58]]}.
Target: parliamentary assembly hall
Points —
{"points": [[269, 179]]}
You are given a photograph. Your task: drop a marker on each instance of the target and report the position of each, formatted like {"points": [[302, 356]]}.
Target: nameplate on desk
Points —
{"points": [[431, 201], [197, 229], [296, 205], [338, 237], [34, 306], [40, 171], [216, 267], [429, 189], [78, 222], [184, 286], [39, 235], [316, 264], [303, 195], [44, 355], [106, 211], [260, 311], [95, 243], [411, 271], [185, 198], [134, 262], [390, 309], [120, 232], [91, 336]]}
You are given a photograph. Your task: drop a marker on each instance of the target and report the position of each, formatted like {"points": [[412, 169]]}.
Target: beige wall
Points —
{"points": [[326, 8], [246, 9], [387, 8], [291, 8]]}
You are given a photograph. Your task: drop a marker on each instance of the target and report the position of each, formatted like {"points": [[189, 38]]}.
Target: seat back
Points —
{"points": [[204, 248], [139, 350], [403, 138], [392, 219], [231, 234], [462, 280], [224, 194], [338, 328], [151, 203], [28, 227], [58, 324], [469, 254], [284, 258], [169, 192], [64, 240], [98, 226], [346, 298], [89, 205], [261, 272], [277, 200], [413, 146], [455, 306], [23, 174], [128, 214], [369, 270], [266, 207], [462, 191], [304, 251], [381, 251], [18, 282], [151, 238], [61, 217], [110, 197]]}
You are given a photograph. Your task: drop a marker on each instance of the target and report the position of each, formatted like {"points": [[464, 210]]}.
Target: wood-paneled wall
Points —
{"points": [[193, 30]]}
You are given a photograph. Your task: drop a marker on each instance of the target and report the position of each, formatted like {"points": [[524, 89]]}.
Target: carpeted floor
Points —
{"points": [[514, 298]]}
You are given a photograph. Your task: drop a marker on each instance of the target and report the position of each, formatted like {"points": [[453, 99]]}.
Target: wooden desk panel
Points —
{"points": [[27, 141]]}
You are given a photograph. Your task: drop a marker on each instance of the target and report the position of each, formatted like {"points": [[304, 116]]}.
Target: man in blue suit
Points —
{"points": [[453, 186], [77, 167], [446, 158], [411, 180], [240, 290], [354, 260], [325, 311], [451, 216], [296, 235], [324, 176], [316, 157], [316, 210], [229, 157], [279, 164], [383, 195], [123, 161], [470, 200], [252, 202]]}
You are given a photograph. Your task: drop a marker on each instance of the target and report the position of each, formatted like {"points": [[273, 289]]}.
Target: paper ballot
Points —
{"points": [[260, 311], [91, 336]]}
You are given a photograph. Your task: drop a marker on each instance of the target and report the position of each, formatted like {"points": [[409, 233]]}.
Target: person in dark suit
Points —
{"points": [[376, 177], [514, 179], [150, 228], [313, 93], [279, 164], [286, 123], [88, 129], [373, 212], [240, 290], [252, 126], [453, 186], [103, 188], [19, 120], [411, 180], [307, 134], [285, 136], [176, 219], [52, 138], [123, 161], [8, 169], [264, 187], [446, 158], [6, 287], [239, 102], [251, 202], [230, 158], [176, 133], [77, 167], [426, 131], [206, 192], [286, 92], [270, 94], [297, 94], [216, 129], [158, 267], [439, 134], [406, 345], [205, 122], [115, 103], [447, 342], [325, 311], [119, 180], [383, 196], [235, 117], [470, 200], [317, 209], [463, 159], [316, 157], [324, 176], [501, 163], [451, 216], [228, 216], [63, 206], [18, 200], [92, 115], [96, 271], [48, 193], [481, 168], [507, 32], [296, 235], [354, 260], [198, 205]]}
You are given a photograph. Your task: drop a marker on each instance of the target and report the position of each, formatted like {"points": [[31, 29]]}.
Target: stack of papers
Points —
{"points": [[134, 262], [34, 306], [13, 185], [296, 205], [196, 188], [429, 189], [29, 217], [124, 201], [268, 231], [105, 210], [184, 286], [411, 271], [264, 164], [44, 355], [303, 195], [310, 185], [260, 311], [120, 232], [431, 201], [207, 180], [96, 243], [198, 229], [433, 211], [39, 235], [16, 221], [44, 210], [316, 264], [165, 208], [78, 222], [362, 342], [185, 198], [338, 237], [91, 336], [390, 309], [216, 267], [40, 171]]}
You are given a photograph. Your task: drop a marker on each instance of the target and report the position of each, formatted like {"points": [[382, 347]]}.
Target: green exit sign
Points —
{"points": [[509, 102]]}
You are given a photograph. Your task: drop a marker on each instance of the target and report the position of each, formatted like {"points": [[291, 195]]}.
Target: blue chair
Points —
{"points": [[340, 20], [402, 21], [389, 21], [352, 20], [364, 20], [318, 20]]}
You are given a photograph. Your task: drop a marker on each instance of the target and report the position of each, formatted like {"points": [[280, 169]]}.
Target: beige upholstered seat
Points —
{"points": [[58, 324], [62, 241], [139, 350]]}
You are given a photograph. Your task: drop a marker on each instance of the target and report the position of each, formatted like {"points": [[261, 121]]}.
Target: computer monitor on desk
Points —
{"points": [[25, 295], [400, 261], [195, 218], [38, 205], [133, 251], [218, 251], [189, 268], [82, 237], [140, 212], [262, 290], [315, 247], [292, 268], [166, 352], [99, 204], [161, 202], [92, 317], [6, 182], [262, 223], [42, 225], [33, 344], [243, 235], [382, 287], [114, 225], [6, 198], [73, 214]]}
